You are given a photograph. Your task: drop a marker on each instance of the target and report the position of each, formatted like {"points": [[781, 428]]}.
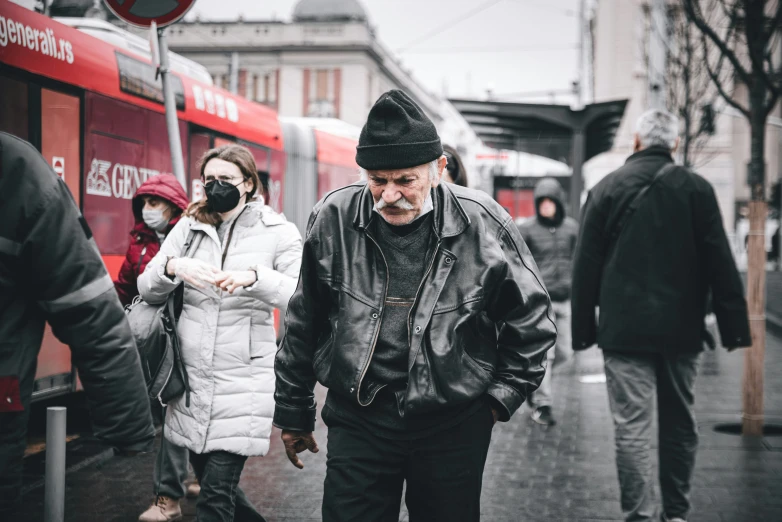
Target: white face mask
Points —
{"points": [[154, 219]]}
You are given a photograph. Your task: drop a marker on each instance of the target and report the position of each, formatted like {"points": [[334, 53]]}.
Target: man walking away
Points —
{"points": [[50, 271], [652, 246], [421, 310], [551, 237]]}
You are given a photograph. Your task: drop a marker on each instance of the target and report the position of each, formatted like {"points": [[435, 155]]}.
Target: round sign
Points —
{"points": [[142, 13]]}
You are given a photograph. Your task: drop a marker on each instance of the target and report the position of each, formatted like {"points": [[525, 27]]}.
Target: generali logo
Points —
{"points": [[116, 180]]}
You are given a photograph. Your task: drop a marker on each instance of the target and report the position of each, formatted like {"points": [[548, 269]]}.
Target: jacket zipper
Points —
{"points": [[418, 292], [168, 378], [377, 331], [140, 260]]}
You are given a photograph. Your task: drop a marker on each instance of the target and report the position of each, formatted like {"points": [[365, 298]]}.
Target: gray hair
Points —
{"points": [[657, 128], [432, 166]]}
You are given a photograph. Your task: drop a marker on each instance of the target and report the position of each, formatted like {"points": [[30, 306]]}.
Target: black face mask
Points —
{"points": [[222, 196]]}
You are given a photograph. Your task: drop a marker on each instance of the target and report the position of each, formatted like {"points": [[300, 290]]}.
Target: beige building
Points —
{"points": [[621, 37]]}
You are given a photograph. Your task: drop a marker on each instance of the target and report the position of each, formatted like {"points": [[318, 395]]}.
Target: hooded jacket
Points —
{"points": [[228, 340], [50, 271], [144, 242], [552, 242]]}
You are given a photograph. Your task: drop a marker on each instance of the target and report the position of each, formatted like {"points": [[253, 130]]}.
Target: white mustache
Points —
{"points": [[401, 203]]}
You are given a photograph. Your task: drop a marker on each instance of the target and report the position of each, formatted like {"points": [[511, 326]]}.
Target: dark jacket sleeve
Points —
{"points": [[587, 271], [77, 296], [126, 284], [521, 307], [727, 290], [305, 320]]}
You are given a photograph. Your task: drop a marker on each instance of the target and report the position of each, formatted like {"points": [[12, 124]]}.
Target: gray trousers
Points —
{"points": [[563, 350], [633, 382], [170, 470]]}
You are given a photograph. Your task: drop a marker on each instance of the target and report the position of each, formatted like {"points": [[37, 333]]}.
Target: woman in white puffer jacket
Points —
{"points": [[245, 264]]}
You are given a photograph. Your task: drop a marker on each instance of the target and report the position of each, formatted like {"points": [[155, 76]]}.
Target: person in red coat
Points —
{"points": [[157, 206]]}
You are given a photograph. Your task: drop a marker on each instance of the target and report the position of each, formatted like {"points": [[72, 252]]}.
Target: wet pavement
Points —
{"points": [[563, 473]]}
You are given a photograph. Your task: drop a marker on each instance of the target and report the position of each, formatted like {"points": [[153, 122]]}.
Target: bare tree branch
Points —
{"points": [[718, 82], [706, 30]]}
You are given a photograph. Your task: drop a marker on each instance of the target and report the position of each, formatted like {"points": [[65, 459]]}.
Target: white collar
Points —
{"points": [[428, 207]]}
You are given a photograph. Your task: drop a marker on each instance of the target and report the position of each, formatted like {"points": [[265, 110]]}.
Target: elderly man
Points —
{"points": [[421, 310], [652, 246]]}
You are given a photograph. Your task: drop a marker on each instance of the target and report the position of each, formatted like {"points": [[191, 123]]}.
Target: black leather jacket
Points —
{"points": [[480, 325]]}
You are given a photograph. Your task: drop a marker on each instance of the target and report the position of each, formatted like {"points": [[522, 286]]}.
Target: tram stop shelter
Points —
{"points": [[552, 131]]}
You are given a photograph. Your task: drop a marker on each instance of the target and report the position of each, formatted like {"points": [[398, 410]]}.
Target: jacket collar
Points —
{"points": [[249, 216], [450, 219], [651, 152]]}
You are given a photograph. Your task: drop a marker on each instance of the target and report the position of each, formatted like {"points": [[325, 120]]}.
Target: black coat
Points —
{"points": [[481, 324], [50, 271], [552, 242], [651, 284]]}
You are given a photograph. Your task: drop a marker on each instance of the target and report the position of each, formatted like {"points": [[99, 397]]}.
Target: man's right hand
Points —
{"points": [[297, 441]]}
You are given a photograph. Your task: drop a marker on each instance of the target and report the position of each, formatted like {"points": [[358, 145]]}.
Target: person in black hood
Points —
{"points": [[551, 237]]}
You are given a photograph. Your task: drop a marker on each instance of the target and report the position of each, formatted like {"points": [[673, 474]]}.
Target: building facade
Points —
{"points": [[621, 33], [326, 63]]}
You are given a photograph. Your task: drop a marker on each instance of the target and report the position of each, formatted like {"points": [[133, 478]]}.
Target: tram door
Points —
{"points": [[50, 120]]}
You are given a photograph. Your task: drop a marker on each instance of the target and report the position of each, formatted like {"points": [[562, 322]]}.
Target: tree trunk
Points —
{"points": [[752, 423]]}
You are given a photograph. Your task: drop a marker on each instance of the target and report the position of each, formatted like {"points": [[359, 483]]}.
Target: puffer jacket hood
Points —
{"points": [[550, 188], [164, 186], [145, 242]]}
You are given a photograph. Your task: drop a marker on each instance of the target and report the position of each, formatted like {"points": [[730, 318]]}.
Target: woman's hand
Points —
{"points": [[233, 279], [194, 271]]}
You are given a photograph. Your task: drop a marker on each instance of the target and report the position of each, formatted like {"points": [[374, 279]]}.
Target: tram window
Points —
{"points": [[138, 78], [14, 108]]}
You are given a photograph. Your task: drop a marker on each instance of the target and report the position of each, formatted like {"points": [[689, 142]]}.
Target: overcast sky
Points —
{"points": [[513, 45]]}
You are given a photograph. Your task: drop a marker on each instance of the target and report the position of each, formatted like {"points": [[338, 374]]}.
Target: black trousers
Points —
{"points": [[221, 499], [444, 473]]}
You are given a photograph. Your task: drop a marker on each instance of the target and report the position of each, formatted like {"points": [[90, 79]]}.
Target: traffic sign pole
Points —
{"points": [[172, 122], [152, 14]]}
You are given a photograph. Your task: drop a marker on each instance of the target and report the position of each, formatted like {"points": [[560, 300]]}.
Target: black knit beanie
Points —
{"points": [[397, 135]]}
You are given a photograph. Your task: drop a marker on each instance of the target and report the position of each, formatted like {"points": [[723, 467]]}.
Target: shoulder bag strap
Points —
{"points": [[630, 209]]}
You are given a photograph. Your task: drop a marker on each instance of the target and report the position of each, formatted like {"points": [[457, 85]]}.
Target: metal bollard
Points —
{"points": [[54, 509]]}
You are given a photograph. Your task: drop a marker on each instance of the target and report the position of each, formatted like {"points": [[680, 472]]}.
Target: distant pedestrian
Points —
{"points": [[551, 237], [157, 206], [421, 310], [649, 269], [51, 272], [245, 265], [454, 170]]}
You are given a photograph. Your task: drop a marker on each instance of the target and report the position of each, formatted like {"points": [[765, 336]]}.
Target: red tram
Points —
{"points": [[95, 111]]}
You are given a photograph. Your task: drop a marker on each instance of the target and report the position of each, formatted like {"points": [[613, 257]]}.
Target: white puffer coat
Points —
{"points": [[228, 340]]}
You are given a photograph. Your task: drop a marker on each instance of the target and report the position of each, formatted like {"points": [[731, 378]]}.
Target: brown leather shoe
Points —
{"points": [[164, 509]]}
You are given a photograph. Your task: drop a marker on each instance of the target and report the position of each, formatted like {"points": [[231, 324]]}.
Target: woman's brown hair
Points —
{"points": [[239, 156]]}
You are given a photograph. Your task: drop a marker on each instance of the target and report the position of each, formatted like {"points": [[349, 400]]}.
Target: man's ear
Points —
{"points": [[676, 144], [442, 161]]}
